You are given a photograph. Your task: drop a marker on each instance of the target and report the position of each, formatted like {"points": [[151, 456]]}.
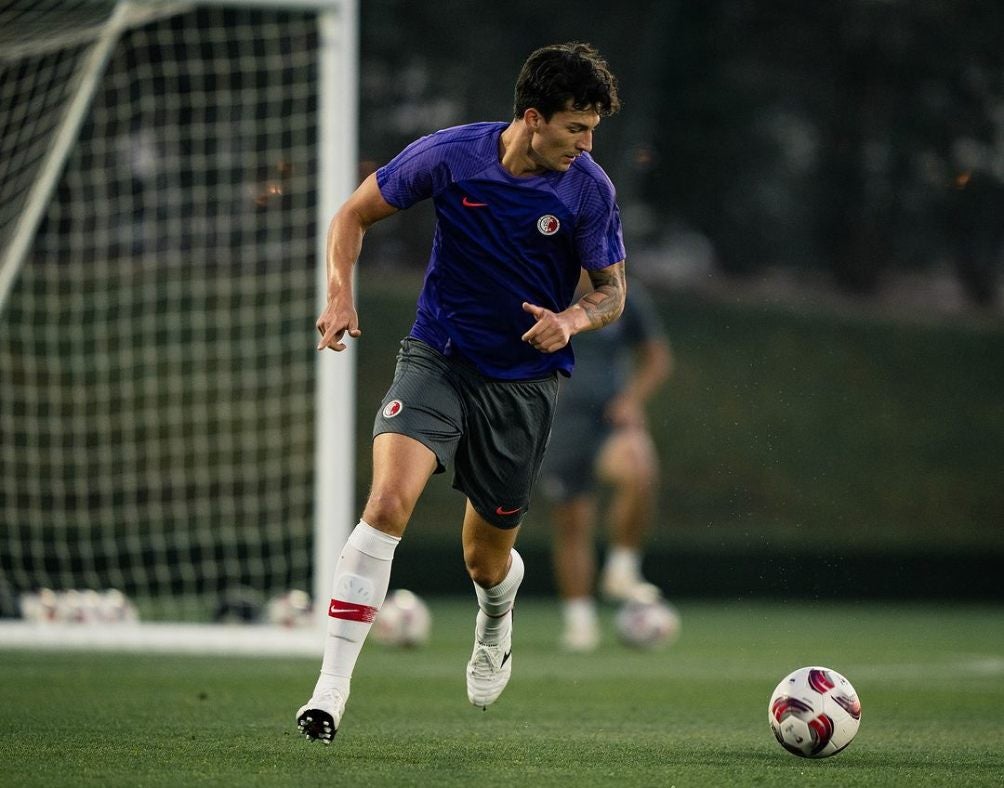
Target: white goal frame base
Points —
{"points": [[253, 640]]}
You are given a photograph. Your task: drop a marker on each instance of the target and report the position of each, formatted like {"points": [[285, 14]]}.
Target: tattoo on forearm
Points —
{"points": [[605, 303]]}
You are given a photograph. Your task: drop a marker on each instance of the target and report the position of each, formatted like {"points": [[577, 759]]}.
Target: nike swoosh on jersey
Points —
{"points": [[506, 512], [467, 202]]}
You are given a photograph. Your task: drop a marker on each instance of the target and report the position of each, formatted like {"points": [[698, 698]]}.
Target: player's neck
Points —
{"points": [[515, 153]]}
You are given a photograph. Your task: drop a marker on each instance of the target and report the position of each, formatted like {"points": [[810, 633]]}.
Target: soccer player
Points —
{"points": [[521, 209], [600, 437]]}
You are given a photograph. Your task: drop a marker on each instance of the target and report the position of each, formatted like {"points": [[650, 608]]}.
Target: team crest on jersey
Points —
{"points": [[392, 408], [548, 224]]}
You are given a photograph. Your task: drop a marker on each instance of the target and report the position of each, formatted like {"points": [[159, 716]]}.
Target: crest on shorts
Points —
{"points": [[548, 224], [392, 408]]}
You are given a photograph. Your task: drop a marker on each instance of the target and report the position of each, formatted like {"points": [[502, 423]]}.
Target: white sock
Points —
{"points": [[579, 613], [623, 561], [362, 576], [495, 602]]}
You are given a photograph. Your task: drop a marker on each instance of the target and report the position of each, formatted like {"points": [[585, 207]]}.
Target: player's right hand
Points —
{"points": [[338, 317]]}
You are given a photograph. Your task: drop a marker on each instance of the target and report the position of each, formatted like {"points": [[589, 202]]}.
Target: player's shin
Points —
{"points": [[362, 576]]}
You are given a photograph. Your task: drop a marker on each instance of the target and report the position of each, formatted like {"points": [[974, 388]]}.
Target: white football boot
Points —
{"points": [[319, 717], [490, 666]]}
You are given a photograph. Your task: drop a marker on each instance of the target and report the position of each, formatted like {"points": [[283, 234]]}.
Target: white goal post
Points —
{"points": [[167, 174]]}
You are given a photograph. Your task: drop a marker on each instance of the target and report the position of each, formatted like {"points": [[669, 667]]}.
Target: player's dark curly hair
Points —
{"points": [[554, 74]]}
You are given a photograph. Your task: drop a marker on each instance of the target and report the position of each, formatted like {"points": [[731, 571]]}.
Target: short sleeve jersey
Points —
{"points": [[499, 241]]}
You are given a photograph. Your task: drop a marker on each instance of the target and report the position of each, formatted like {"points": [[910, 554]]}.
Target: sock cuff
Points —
{"points": [[501, 595], [369, 541], [580, 611], [580, 606], [514, 576], [623, 559], [622, 553]]}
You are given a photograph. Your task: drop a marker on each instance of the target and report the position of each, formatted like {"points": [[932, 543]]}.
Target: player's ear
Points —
{"points": [[532, 118]]}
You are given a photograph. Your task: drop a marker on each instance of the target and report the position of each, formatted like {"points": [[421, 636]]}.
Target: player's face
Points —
{"points": [[556, 142]]}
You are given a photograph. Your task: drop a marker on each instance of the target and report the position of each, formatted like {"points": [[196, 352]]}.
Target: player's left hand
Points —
{"points": [[551, 332]]}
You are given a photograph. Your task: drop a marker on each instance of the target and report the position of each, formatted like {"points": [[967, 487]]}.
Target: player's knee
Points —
{"points": [[388, 511], [483, 571], [645, 475], [634, 466]]}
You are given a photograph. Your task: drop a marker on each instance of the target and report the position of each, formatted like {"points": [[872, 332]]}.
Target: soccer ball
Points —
{"points": [[41, 606], [292, 610], [114, 607], [403, 620], [647, 623], [78, 606], [814, 712]]}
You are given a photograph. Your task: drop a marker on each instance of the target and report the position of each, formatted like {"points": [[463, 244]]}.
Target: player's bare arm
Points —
{"points": [[345, 240], [599, 307], [605, 304]]}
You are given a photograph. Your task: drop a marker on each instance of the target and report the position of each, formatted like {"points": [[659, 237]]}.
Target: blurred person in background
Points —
{"points": [[599, 439]]}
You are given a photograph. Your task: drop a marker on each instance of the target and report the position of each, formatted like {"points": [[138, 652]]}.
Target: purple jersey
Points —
{"points": [[500, 240]]}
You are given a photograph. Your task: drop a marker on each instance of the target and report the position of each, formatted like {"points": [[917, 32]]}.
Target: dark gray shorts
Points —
{"points": [[493, 431]]}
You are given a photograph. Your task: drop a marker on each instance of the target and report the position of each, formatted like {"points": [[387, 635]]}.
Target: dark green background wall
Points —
{"points": [[814, 454]]}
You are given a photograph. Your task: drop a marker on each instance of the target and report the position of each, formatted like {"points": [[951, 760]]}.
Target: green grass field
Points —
{"points": [[930, 678]]}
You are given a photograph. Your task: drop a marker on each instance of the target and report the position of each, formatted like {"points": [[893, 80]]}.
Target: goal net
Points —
{"points": [[166, 171]]}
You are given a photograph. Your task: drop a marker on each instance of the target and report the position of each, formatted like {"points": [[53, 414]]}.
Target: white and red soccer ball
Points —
{"points": [[403, 620], [292, 609], [78, 606], [814, 712]]}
